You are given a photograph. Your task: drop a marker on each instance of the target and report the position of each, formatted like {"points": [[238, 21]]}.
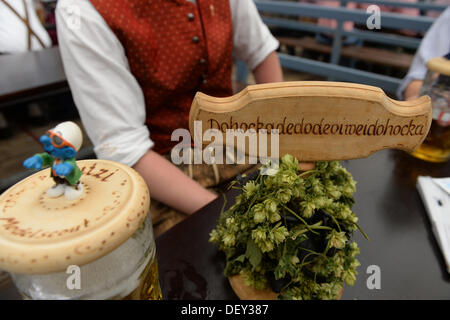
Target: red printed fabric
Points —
{"points": [[174, 48]]}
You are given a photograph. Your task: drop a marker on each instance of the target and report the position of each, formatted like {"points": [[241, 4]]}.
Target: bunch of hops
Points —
{"points": [[291, 231]]}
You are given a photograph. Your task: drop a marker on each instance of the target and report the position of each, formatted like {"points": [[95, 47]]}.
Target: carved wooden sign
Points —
{"points": [[318, 120]]}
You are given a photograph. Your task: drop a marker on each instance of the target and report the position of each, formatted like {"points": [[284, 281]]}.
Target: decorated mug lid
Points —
{"points": [[40, 234]]}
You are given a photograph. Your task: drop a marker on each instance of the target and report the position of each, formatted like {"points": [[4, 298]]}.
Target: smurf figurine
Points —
{"points": [[61, 145]]}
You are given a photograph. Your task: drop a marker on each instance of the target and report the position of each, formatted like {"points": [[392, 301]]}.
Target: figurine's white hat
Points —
{"points": [[70, 132]]}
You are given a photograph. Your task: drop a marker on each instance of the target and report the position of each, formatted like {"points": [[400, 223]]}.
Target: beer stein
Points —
{"points": [[97, 246], [436, 146]]}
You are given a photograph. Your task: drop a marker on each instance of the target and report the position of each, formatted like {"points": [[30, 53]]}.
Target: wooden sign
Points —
{"points": [[318, 120]]}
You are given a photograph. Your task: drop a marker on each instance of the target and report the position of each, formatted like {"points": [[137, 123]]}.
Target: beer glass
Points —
{"points": [[436, 146], [100, 246], [128, 272]]}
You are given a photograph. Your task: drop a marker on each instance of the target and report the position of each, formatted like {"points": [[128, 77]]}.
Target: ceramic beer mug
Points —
{"points": [[97, 246]]}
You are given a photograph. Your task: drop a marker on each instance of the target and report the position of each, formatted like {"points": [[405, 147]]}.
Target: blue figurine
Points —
{"points": [[61, 145]]}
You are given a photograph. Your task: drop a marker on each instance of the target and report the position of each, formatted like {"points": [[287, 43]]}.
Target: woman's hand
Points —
{"points": [[413, 89]]}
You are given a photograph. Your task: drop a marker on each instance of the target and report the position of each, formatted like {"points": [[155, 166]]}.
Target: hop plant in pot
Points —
{"points": [[289, 235]]}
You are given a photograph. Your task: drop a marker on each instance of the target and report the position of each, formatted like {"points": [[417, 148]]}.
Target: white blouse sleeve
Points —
{"points": [[252, 39], [108, 97]]}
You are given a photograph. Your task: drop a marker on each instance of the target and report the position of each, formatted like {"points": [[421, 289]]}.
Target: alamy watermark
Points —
{"points": [[374, 20], [222, 147], [73, 281], [374, 280]]}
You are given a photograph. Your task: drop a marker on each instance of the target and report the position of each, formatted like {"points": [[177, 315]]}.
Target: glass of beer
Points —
{"points": [[436, 146], [100, 246]]}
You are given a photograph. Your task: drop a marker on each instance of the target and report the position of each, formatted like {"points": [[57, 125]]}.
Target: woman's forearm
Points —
{"points": [[170, 185], [269, 70]]}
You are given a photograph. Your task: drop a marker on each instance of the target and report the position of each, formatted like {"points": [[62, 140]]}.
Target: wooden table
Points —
{"points": [[389, 210], [31, 75]]}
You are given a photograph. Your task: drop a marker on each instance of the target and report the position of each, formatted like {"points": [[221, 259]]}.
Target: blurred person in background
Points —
{"points": [[436, 43], [349, 25], [436, 14], [21, 30], [332, 23]]}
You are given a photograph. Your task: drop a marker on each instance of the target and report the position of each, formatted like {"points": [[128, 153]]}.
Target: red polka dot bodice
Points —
{"points": [[174, 48]]}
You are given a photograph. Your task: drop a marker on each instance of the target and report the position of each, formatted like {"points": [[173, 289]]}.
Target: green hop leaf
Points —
{"points": [[259, 234], [214, 236], [253, 253], [283, 195], [270, 205], [260, 213], [337, 239], [280, 233], [289, 162], [250, 189], [349, 277], [229, 239], [307, 209]]}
